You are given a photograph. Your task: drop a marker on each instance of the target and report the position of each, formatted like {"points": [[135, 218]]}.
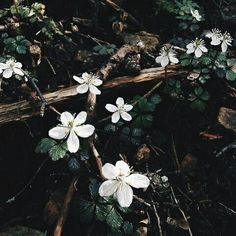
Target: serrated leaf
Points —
{"points": [[86, 210], [114, 219], [127, 228], [93, 188], [156, 99], [45, 145], [21, 49], [74, 165], [230, 75], [58, 151], [198, 105], [198, 91], [147, 120], [101, 212]]}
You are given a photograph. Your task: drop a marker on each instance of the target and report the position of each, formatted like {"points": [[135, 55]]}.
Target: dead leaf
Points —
{"points": [[209, 136], [53, 206], [143, 153], [188, 164], [227, 118], [181, 223]]}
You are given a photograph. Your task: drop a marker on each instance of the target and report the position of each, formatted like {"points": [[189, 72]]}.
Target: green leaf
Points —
{"points": [[147, 120], [198, 91], [86, 210], [205, 96], [198, 105], [127, 228], [9, 40], [101, 212], [93, 188], [21, 49], [230, 75], [156, 99], [45, 145], [185, 62], [114, 219], [58, 151]]}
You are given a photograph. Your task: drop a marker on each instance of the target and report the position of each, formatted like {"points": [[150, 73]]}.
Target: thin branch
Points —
{"points": [[182, 212], [65, 208], [12, 199]]}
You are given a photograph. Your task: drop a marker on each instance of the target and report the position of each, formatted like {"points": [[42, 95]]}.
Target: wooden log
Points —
{"points": [[25, 109]]}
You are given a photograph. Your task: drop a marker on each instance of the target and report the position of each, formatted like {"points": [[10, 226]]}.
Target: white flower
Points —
{"points": [[120, 110], [119, 180], [88, 82], [197, 47], [72, 127], [215, 36], [196, 15], [226, 41], [167, 54], [218, 38], [11, 67]]}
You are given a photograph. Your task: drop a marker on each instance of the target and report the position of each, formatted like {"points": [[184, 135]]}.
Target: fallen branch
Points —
{"points": [[25, 109]]}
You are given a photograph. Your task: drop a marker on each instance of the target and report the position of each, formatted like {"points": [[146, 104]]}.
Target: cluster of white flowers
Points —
{"points": [[167, 55], [119, 180], [218, 38], [10, 68]]}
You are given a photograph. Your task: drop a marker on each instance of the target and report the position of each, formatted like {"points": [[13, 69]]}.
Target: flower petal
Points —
{"points": [[58, 132], [3, 66], [203, 48], [84, 131], [80, 118], [174, 60], [109, 171], [128, 107], [93, 89], [159, 59], [7, 73], [120, 102], [124, 195], [123, 168], [107, 188], [111, 108], [126, 116], [18, 65], [215, 41], [137, 181], [66, 118], [224, 48], [164, 61], [115, 117], [83, 88], [198, 52], [18, 71], [78, 79], [73, 142], [97, 82], [86, 76]]}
